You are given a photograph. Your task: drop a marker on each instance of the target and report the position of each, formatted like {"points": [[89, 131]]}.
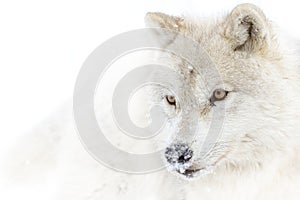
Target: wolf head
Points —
{"points": [[250, 102]]}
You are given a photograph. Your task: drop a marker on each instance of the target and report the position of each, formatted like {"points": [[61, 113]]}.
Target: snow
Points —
{"points": [[43, 45]]}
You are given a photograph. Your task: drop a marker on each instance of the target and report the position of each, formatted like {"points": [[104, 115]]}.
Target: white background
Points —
{"points": [[44, 43]]}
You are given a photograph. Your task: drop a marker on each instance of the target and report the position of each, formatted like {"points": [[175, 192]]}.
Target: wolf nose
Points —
{"points": [[178, 153]]}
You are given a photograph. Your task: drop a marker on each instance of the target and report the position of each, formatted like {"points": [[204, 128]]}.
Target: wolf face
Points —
{"points": [[248, 101]]}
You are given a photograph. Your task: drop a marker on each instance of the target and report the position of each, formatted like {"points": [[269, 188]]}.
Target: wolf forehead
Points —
{"points": [[241, 44]]}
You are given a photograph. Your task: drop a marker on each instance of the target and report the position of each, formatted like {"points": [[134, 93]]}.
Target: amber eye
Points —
{"points": [[171, 100], [218, 95]]}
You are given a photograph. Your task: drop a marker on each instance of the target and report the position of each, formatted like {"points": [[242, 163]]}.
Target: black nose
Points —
{"points": [[178, 153]]}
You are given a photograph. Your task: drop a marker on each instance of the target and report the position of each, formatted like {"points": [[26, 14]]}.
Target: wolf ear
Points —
{"points": [[156, 19], [247, 28]]}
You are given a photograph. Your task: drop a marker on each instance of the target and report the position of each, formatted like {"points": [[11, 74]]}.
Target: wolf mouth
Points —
{"points": [[189, 172], [193, 172]]}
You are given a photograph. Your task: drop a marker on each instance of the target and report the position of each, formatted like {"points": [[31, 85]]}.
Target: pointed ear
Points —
{"points": [[156, 19], [247, 28]]}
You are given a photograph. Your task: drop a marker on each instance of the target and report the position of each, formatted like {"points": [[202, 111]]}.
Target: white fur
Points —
{"points": [[259, 158]]}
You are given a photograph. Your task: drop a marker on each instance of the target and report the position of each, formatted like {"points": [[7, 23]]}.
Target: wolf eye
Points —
{"points": [[171, 100], [218, 95]]}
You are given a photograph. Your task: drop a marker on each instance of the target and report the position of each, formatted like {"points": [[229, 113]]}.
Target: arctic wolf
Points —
{"points": [[257, 156]]}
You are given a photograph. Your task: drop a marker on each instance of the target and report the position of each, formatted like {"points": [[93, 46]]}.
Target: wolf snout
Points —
{"points": [[178, 153]]}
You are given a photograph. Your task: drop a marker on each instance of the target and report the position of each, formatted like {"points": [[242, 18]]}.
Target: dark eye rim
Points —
{"points": [[214, 99], [171, 103]]}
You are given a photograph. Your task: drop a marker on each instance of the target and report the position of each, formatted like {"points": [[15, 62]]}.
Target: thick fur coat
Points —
{"points": [[257, 156]]}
